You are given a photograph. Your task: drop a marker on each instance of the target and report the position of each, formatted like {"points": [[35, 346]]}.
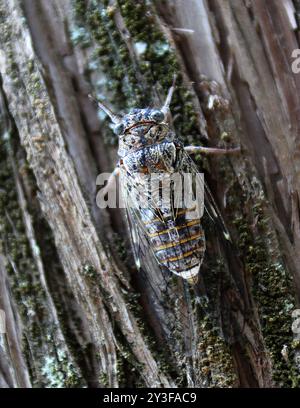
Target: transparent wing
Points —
{"points": [[169, 295], [217, 231], [210, 206]]}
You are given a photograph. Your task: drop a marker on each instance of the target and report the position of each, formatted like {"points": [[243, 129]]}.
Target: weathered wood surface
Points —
{"points": [[68, 287]]}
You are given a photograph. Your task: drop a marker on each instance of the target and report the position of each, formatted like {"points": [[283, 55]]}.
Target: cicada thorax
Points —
{"points": [[174, 233]]}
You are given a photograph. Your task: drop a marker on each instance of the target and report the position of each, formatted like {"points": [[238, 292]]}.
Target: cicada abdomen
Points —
{"points": [[178, 243]]}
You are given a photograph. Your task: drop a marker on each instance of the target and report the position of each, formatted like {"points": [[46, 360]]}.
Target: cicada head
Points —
{"points": [[140, 127]]}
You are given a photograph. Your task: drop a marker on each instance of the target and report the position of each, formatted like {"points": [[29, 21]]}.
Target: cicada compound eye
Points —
{"points": [[157, 116], [119, 129]]}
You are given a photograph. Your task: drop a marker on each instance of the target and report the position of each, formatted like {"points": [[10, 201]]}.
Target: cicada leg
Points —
{"points": [[110, 182], [211, 150]]}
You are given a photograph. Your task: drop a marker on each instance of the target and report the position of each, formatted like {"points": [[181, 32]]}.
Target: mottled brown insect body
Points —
{"points": [[172, 234]]}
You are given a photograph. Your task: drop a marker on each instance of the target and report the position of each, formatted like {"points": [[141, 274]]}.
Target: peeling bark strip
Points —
{"points": [[79, 314]]}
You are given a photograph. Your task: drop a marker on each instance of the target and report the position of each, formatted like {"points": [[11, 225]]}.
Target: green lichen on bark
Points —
{"points": [[273, 293], [216, 365], [272, 289], [256, 244], [46, 354], [53, 369], [47, 359]]}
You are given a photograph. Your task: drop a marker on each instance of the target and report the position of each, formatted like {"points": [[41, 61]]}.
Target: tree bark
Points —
{"points": [[78, 314]]}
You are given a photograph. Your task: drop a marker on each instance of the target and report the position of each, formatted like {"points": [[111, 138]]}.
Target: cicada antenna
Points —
{"points": [[113, 116], [166, 107]]}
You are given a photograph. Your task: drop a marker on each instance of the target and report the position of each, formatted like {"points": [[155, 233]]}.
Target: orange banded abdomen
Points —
{"points": [[178, 243]]}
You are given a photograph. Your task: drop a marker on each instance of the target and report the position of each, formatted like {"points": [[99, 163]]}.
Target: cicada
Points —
{"points": [[171, 234]]}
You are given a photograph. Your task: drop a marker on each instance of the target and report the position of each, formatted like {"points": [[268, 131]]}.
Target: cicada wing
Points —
{"points": [[208, 203], [139, 210], [156, 278], [143, 254], [165, 293], [216, 229]]}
